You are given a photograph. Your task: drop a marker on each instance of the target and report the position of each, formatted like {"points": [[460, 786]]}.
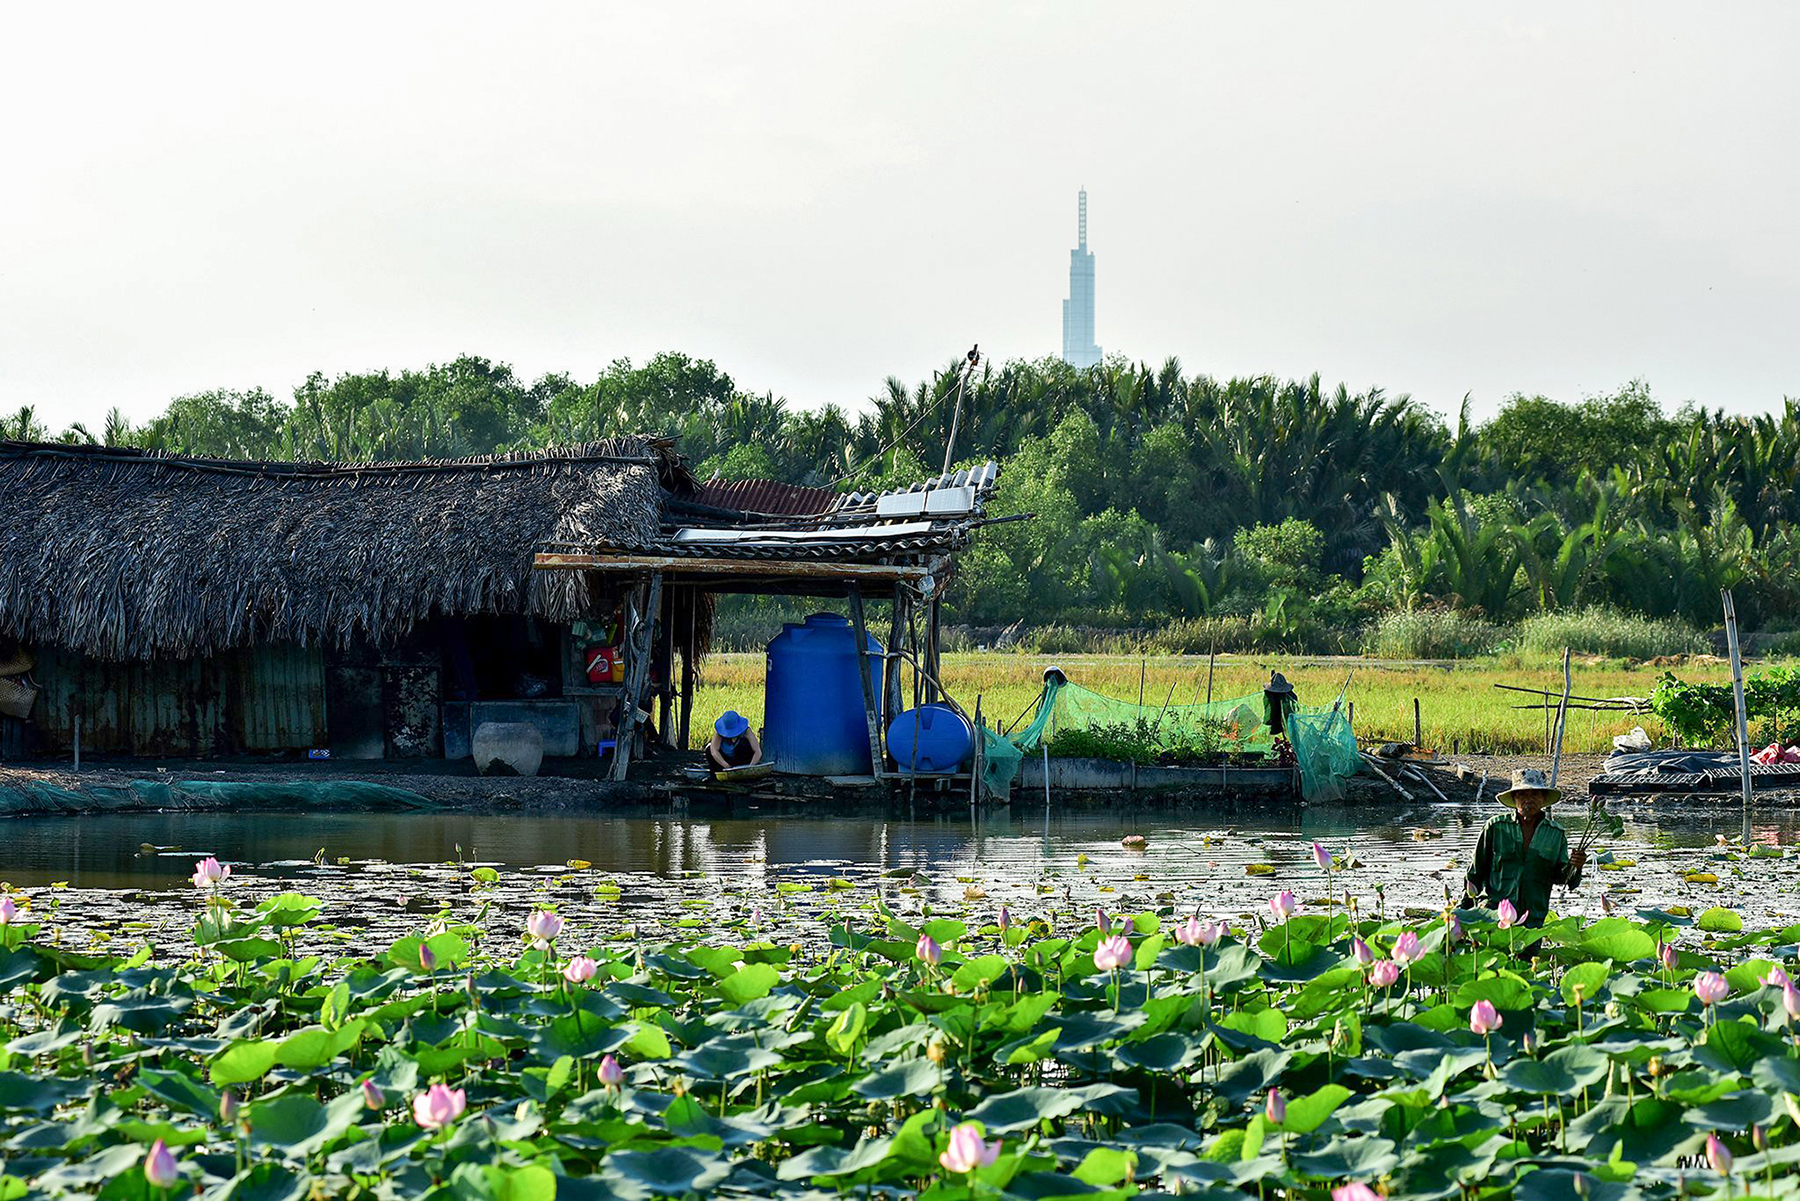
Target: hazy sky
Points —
{"points": [[1433, 198]]}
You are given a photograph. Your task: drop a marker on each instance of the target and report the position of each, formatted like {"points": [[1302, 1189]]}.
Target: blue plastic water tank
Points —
{"points": [[813, 699], [945, 739]]}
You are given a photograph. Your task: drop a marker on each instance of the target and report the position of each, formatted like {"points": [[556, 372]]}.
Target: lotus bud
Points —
{"points": [[935, 1051], [967, 1150], [1102, 922], [1004, 921], [1275, 1108], [1718, 1155], [1759, 1138], [9, 910], [1484, 1019], [427, 957], [1384, 974], [1355, 1191], [580, 970], [1711, 988], [373, 1097], [228, 1107], [1406, 948], [611, 1074], [1509, 915], [1112, 953], [1668, 956], [1283, 904], [438, 1106], [543, 926], [929, 951], [1360, 950], [1322, 857], [160, 1168]]}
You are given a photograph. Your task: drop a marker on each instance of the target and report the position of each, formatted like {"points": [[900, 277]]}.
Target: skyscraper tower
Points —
{"points": [[1078, 310]]}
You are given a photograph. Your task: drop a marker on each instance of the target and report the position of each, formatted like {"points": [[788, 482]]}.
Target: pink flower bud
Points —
{"points": [[1361, 952], [1669, 956], [1275, 1108], [580, 970], [160, 1168], [1005, 920], [610, 1072], [1406, 948], [1718, 1155], [1509, 915], [929, 951], [373, 1097], [1384, 974], [967, 1150], [1283, 904], [1484, 1019], [427, 957], [9, 909], [1322, 857], [543, 926], [438, 1106], [1112, 953], [1711, 988], [1102, 923]]}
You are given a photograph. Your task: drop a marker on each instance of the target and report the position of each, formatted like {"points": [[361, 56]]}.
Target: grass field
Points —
{"points": [[1457, 704]]}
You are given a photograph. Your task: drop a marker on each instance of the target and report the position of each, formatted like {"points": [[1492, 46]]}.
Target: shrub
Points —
{"points": [[1600, 631], [1140, 741], [1431, 634], [1200, 635]]}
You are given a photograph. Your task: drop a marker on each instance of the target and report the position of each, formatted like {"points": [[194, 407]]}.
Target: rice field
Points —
{"points": [[1458, 704]]}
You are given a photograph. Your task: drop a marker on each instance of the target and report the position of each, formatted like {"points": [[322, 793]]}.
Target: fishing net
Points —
{"points": [[1325, 751], [1324, 746]]}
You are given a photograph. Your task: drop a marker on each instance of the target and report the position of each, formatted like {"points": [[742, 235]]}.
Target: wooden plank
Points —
{"points": [[637, 668], [753, 568], [861, 628]]}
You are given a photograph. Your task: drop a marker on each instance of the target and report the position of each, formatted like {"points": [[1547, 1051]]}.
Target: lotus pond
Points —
{"points": [[939, 1011]]}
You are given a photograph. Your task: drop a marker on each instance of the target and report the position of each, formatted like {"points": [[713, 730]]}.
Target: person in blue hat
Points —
{"points": [[733, 744]]}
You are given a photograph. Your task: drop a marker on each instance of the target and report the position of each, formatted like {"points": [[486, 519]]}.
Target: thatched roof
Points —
{"points": [[124, 554]]}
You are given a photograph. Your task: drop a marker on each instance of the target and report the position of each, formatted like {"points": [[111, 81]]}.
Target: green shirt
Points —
{"points": [[1505, 870]]}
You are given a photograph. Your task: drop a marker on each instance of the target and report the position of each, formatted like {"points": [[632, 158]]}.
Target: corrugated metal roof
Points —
{"points": [[981, 478], [767, 496]]}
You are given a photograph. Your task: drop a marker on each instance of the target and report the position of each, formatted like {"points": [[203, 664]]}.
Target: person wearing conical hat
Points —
{"points": [[1523, 854]]}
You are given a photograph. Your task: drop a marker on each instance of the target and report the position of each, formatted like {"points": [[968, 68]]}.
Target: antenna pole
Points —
{"points": [[969, 363]]}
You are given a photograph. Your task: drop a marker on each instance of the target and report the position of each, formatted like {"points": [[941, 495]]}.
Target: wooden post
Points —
{"points": [[1212, 656], [688, 674], [895, 700], [1737, 699], [638, 641], [975, 757], [861, 627], [1418, 730], [930, 658], [665, 692]]}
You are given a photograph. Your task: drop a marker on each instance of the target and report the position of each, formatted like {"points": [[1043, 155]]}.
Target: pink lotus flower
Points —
{"points": [[1790, 999], [1275, 1108], [1356, 1191], [1406, 949], [1384, 974], [1718, 1155], [1360, 950], [1005, 920], [1668, 956], [610, 1072], [1102, 923], [1283, 904], [160, 1168], [373, 1097], [543, 926], [427, 957], [8, 911], [1509, 915], [1711, 988], [580, 970], [209, 871], [228, 1107], [438, 1106], [1322, 857], [1188, 932], [929, 951], [1112, 953], [1776, 978], [1453, 928], [1484, 1019], [967, 1150]]}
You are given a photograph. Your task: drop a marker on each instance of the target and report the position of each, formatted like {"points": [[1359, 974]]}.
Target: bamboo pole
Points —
{"points": [[1737, 700], [870, 719], [1562, 719]]}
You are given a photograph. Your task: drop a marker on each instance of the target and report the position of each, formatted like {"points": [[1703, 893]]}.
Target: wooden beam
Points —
{"points": [[687, 668], [861, 628], [751, 568], [895, 700]]}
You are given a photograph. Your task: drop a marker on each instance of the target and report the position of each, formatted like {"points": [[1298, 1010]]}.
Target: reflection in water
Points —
{"points": [[104, 851]]}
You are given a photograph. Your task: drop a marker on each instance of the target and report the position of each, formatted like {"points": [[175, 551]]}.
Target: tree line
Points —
{"points": [[1160, 495]]}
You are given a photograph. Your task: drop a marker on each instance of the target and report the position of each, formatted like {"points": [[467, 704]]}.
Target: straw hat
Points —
{"points": [[1529, 780], [15, 661]]}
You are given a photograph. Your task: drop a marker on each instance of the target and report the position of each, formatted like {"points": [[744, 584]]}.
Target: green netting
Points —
{"points": [[1325, 751], [1236, 725], [1324, 745]]}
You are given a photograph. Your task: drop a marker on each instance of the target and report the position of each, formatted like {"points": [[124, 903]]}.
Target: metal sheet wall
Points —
{"points": [[267, 698]]}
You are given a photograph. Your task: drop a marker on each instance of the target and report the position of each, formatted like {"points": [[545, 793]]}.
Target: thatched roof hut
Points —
{"points": [[122, 554]]}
